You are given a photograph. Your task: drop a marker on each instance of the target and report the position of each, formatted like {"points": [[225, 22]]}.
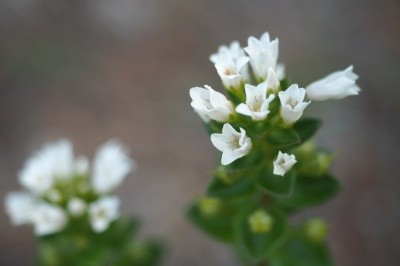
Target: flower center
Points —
{"points": [[292, 102], [229, 71]]}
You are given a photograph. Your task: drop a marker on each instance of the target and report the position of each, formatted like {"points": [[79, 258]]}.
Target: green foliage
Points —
{"points": [[79, 245], [247, 206]]}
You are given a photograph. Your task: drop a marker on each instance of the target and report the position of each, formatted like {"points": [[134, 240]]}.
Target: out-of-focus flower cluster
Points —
{"points": [[61, 188]]}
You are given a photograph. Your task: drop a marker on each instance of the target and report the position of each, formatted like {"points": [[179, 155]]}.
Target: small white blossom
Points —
{"points": [[233, 50], [111, 165], [283, 163], [59, 155], [76, 206], [211, 103], [280, 71], [102, 212], [230, 70], [292, 105], [337, 85], [272, 81], [36, 175], [54, 160], [233, 144], [81, 165], [20, 207], [48, 219], [257, 103], [263, 54]]}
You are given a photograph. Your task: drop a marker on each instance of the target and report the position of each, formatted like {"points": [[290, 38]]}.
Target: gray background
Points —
{"points": [[90, 70]]}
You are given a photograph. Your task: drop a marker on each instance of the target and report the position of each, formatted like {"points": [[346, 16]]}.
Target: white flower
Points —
{"points": [[283, 163], [337, 85], [76, 206], [263, 54], [81, 165], [230, 70], [211, 103], [292, 105], [111, 165], [36, 175], [233, 50], [257, 103], [102, 212], [48, 219], [20, 207], [54, 160], [233, 144], [280, 71]]}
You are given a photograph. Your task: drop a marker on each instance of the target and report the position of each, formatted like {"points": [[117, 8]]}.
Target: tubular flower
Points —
{"points": [[230, 70], [257, 103], [20, 207], [102, 212], [211, 103], [233, 144], [337, 85], [283, 163], [292, 105], [111, 165], [263, 54], [48, 219]]}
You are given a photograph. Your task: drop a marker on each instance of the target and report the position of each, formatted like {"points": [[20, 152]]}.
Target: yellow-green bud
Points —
{"points": [[316, 230], [260, 222], [209, 206], [139, 251], [306, 149]]}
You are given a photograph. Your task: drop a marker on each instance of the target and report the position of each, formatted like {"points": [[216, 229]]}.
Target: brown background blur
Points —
{"points": [[91, 70]]}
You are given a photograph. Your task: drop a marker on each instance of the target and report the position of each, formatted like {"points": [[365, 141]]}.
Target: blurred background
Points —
{"points": [[91, 70]]}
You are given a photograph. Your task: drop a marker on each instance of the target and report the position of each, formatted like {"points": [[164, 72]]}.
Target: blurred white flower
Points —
{"points": [[257, 103], [59, 155], [233, 144], [280, 71], [81, 165], [48, 219], [337, 85], [292, 105], [36, 175], [54, 160], [283, 163], [263, 54], [102, 212], [111, 165], [76, 206], [229, 70], [20, 207], [211, 103]]}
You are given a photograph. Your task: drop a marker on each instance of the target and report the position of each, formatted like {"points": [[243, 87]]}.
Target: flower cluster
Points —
{"points": [[260, 129], [60, 187], [254, 80]]}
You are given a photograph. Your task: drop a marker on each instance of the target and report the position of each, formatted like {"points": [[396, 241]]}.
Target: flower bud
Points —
{"points": [[209, 206], [260, 222], [316, 230], [337, 85]]}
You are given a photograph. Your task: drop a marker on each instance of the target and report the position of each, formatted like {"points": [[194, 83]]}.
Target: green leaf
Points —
{"points": [[283, 137], [276, 185], [299, 251], [218, 225], [306, 128], [256, 246], [310, 191], [219, 188]]}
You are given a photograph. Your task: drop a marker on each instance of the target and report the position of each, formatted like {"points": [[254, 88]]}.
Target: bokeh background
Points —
{"points": [[90, 70]]}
